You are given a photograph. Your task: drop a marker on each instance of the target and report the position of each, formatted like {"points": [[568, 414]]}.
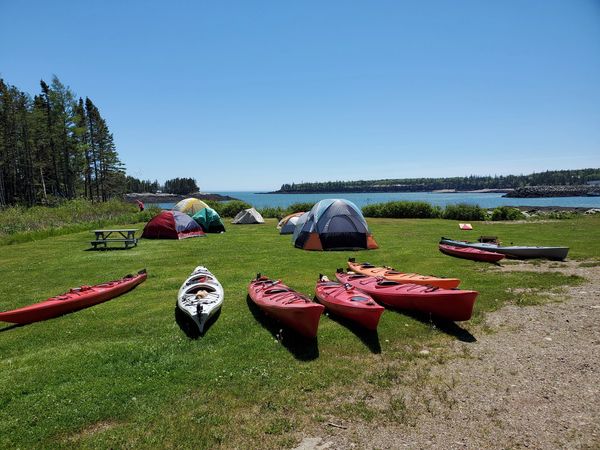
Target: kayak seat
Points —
{"points": [[432, 288], [276, 291], [199, 287], [199, 279]]}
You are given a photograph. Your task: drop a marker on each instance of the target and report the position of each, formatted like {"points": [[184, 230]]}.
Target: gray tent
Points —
{"points": [[248, 216], [289, 226], [333, 224]]}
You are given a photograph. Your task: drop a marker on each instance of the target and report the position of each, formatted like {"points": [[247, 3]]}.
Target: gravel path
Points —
{"points": [[533, 381]]}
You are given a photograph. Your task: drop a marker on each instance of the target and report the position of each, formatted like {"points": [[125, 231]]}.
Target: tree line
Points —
{"points": [[55, 146], [180, 186], [548, 178]]}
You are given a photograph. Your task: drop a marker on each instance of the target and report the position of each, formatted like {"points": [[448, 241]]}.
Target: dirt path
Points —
{"points": [[533, 382]]}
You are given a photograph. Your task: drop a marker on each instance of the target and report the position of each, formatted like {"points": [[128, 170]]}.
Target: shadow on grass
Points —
{"points": [[10, 327], [445, 326], [302, 348], [189, 327], [368, 337], [106, 249]]}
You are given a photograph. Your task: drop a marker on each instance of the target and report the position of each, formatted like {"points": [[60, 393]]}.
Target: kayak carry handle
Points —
{"points": [[339, 270], [351, 259], [258, 276], [141, 272]]}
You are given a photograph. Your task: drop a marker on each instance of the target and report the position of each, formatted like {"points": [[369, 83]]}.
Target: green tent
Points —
{"points": [[209, 220]]}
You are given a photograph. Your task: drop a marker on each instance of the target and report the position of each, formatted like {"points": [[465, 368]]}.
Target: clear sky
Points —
{"points": [[246, 95]]}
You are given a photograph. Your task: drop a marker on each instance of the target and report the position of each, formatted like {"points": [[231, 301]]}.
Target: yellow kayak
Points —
{"points": [[400, 277]]}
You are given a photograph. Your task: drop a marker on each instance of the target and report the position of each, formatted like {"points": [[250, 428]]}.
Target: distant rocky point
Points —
{"points": [[149, 197], [474, 191], [555, 191]]}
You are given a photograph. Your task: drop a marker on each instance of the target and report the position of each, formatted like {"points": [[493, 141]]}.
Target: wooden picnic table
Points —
{"points": [[125, 236]]}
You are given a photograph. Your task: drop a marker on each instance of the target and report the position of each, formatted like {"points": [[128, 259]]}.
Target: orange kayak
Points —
{"points": [[400, 277]]}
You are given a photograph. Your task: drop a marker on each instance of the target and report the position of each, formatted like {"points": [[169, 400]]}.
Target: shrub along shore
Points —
{"points": [[21, 224]]}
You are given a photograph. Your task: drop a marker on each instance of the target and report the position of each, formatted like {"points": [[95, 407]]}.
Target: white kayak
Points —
{"points": [[200, 296]]}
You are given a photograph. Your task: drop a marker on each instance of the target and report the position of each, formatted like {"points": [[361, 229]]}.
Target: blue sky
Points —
{"points": [[246, 95]]}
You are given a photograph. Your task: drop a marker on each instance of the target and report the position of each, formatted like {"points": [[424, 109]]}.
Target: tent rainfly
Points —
{"points": [[190, 206], [172, 225], [287, 225], [333, 224], [209, 220], [248, 216]]}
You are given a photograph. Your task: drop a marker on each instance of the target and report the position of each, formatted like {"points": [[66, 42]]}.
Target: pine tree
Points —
{"points": [[108, 170], [63, 105], [80, 136]]}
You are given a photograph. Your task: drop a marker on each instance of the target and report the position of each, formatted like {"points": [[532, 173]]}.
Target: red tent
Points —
{"points": [[172, 225]]}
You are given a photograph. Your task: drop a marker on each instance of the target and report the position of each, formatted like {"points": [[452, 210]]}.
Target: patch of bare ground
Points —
{"points": [[533, 381], [94, 428]]}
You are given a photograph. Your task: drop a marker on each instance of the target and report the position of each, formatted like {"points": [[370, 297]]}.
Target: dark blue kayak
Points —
{"points": [[514, 251]]}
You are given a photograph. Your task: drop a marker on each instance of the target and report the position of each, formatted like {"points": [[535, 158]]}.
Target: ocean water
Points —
{"points": [[363, 199]]}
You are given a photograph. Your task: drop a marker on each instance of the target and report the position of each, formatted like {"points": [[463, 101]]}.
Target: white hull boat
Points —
{"points": [[200, 296]]}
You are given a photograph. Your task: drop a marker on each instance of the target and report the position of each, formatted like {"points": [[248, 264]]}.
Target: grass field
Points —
{"points": [[124, 374]]}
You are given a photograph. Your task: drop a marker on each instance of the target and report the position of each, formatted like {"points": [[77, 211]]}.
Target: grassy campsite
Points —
{"points": [[124, 374]]}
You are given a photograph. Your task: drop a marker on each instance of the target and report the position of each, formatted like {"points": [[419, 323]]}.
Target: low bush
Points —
{"points": [[19, 224], [299, 207], [275, 213], [558, 215], [402, 210], [231, 208], [279, 213], [507, 213], [463, 211]]}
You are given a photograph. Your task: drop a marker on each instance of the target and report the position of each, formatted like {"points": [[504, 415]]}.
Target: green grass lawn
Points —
{"points": [[124, 374]]}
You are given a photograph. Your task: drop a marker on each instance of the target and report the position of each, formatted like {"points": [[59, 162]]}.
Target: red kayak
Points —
{"points": [[471, 253], [450, 304], [75, 299], [286, 305], [348, 302]]}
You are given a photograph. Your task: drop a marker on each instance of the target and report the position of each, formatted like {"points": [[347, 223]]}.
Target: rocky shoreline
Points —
{"points": [[522, 192], [149, 197], [554, 191], [392, 189]]}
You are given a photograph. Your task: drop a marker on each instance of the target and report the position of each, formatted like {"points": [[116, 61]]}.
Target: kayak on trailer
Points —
{"points": [[390, 274], [471, 253], [348, 302], [74, 300], [513, 251], [200, 296], [291, 308], [449, 304]]}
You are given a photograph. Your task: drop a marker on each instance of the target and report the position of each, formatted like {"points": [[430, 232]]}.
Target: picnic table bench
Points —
{"points": [[124, 236]]}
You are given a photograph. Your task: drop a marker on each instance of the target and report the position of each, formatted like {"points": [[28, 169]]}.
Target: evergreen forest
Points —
{"points": [[56, 146], [548, 178]]}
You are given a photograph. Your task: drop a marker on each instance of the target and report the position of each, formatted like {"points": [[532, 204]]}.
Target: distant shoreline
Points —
{"points": [[523, 192], [391, 191], [149, 197]]}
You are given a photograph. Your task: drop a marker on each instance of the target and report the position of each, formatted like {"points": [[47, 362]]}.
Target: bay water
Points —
{"points": [[490, 200]]}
